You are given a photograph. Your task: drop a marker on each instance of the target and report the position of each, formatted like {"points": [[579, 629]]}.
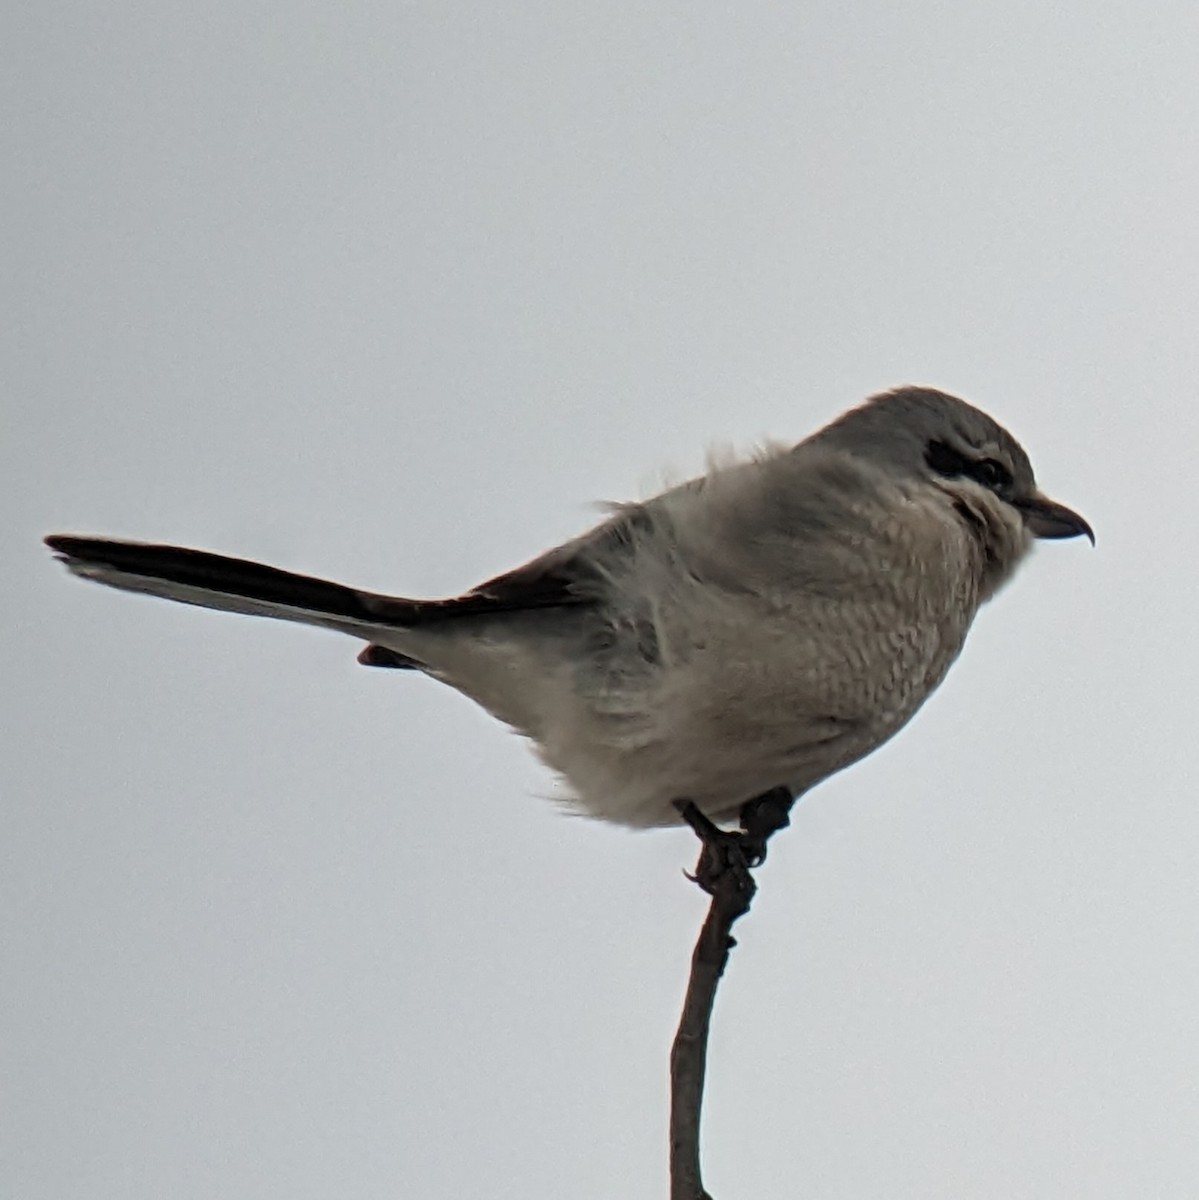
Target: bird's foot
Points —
{"points": [[761, 818], [728, 856], [723, 865]]}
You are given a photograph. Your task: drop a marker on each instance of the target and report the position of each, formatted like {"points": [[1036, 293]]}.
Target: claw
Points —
{"points": [[761, 818], [723, 861], [727, 856]]}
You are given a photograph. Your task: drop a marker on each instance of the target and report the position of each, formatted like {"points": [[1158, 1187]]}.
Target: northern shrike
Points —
{"points": [[752, 630]]}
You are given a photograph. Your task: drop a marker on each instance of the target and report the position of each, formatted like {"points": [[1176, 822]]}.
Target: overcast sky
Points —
{"points": [[392, 293]]}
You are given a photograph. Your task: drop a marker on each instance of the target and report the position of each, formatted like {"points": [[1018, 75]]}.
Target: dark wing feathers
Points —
{"points": [[564, 577]]}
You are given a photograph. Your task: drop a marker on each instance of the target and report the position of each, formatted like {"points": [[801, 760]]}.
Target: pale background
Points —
{"points": [[389, 293]]}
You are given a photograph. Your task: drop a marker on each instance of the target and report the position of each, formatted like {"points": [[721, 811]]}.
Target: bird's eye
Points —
{"points": [[990, 473]]}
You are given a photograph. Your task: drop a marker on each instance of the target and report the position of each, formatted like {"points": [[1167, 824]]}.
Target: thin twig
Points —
{"points": [[723, 872], [688, 1055]]}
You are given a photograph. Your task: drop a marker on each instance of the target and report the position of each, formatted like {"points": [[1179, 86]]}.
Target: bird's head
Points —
{"points": [[979, 468]]}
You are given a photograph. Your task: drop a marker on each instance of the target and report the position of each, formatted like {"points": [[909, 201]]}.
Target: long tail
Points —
{"points": [[240, 586], [236, 585]]}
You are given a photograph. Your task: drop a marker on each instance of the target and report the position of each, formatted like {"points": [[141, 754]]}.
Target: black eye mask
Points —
{"points": [[952, 464]]}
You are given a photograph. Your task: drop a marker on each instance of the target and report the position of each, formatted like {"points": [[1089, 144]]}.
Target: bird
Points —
{"points": [[745, 634]]}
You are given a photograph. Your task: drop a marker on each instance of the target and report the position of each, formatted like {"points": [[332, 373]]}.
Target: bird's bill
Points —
{"points": [[1048, 519]]}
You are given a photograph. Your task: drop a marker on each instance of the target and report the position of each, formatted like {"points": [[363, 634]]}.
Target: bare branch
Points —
{"points": [[724, 873]]}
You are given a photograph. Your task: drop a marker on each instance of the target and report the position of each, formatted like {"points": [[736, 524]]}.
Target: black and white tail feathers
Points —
{"points": [[241, 586]]}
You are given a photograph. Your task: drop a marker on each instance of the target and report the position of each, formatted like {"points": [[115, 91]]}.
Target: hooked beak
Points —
{"points": [[1048, 519]]}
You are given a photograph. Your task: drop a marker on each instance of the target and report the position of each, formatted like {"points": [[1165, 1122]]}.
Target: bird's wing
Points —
{"points": [[567, 576]]}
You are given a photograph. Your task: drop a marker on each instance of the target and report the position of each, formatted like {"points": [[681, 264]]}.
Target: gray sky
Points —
{"points": [[389, 293]]}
